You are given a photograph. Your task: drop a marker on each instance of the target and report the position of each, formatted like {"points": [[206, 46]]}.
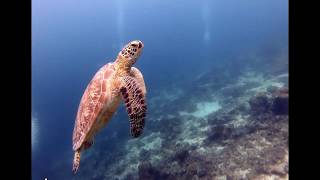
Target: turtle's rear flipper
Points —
{"points": [[76, 162], [134, 98], [87, 144]]}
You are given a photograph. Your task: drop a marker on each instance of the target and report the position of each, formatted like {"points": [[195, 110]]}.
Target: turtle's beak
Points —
{"points": [[140, 44], [137, 44]]}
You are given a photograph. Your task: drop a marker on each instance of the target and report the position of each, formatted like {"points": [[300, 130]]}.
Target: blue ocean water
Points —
{"points": [[184, 40]]}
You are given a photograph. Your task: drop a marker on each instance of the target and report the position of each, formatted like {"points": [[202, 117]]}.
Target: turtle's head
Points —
{"points": [[131, 52]]}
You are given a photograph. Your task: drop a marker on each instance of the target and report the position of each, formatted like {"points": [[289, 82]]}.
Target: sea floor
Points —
{"points": [[235, 130]]}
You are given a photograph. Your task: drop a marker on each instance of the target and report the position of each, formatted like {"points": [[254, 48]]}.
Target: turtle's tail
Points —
{"points": [[76, 162]]}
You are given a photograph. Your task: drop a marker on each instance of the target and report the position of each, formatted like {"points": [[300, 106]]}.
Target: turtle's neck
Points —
{"points": [[121, 66]]}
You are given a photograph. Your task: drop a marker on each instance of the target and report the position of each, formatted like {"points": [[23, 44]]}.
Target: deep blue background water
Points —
{"points": [[72, 39]]}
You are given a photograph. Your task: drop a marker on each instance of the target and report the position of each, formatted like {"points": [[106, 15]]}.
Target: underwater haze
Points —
{"points": [[216, 74]]}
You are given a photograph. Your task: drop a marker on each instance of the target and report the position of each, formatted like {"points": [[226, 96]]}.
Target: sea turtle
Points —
{"points": [[113, 82]]}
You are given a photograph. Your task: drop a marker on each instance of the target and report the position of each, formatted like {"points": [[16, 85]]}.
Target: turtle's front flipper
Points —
{"points": [[134, 98], [76, 162], [135, 72]]}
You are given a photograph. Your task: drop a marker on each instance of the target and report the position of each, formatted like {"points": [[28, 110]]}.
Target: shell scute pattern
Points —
{"points": [[90, 106]]}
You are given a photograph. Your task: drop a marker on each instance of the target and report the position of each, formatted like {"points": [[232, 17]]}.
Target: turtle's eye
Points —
{"points": [[140, 45]]}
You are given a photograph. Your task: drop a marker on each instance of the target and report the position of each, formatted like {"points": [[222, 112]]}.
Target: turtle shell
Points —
{"points": [[91, 105]]}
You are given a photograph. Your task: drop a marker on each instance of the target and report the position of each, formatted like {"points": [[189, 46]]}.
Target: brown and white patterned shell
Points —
{"points": [[95, 100]]}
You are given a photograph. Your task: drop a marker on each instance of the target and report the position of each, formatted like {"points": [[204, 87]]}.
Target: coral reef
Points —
{"points": [[220, 132], [260, 104], [278, 103], [229, 128], [147, 172], [281, 101]]}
